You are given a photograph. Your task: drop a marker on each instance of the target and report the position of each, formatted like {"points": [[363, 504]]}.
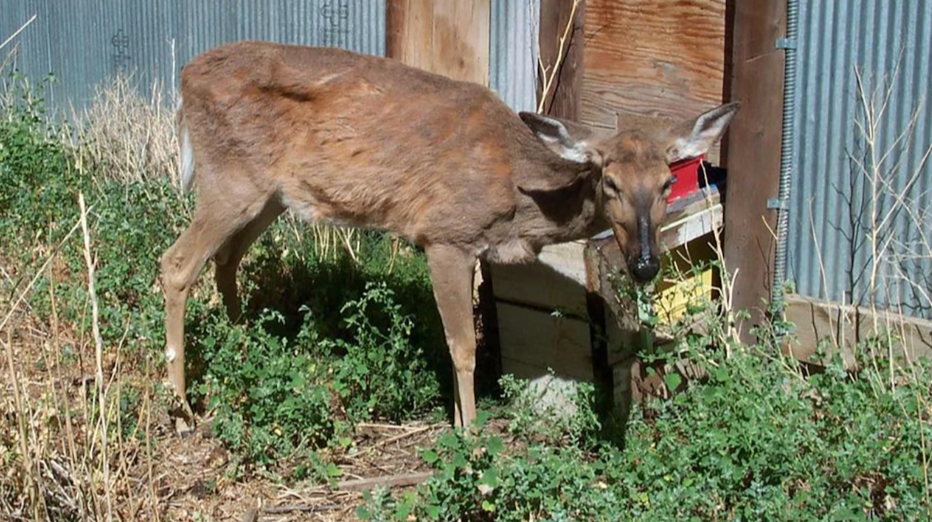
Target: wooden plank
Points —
{"points": [[410, 32], [564, 97], [656, 58], [754, 153], [692, 227], [391, 481], [448, 37], [832, 326], [461, 39], [540, 340], [555, 280]]}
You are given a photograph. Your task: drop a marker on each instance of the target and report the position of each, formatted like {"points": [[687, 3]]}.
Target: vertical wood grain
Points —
{"points": [[754, 152], [564, 99], [448, 37]]}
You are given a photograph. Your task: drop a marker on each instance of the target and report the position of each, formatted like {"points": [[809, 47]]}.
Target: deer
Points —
{"points": [[365, 141]]}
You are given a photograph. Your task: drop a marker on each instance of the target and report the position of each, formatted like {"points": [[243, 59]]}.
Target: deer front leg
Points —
{"points": [[451, 273]]}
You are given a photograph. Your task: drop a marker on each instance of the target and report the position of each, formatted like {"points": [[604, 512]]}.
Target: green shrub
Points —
{"points": [[476, 478], [281, 382], [755, 441], [381, 373], [270, 397]]}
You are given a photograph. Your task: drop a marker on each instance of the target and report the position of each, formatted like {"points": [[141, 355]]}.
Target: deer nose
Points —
{"points": [[645, 268]]}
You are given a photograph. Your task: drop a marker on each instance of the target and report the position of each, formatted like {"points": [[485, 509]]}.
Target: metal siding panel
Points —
{"points": [[513, 52], [881, 38], [75, 39]]}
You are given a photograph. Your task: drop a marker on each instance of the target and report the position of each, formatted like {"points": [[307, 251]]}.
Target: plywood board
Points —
{"points": [[540, 340], [448, 37], [555, 281], [652, 57], [655, 58]]}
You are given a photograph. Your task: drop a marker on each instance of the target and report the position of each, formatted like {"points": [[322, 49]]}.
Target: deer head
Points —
{"points": [[631, 172]]}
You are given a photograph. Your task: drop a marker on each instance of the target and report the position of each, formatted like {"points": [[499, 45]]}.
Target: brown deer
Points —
{"points": [[365, 141]]}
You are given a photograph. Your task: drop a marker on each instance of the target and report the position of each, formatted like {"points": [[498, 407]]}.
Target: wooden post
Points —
{"points": [[563, 99], [754, 152], [448, 37], [451, 37]]}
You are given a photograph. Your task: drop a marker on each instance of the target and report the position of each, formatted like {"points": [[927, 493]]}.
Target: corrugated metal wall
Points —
{"points": [[890, 42], [513, 52], [83, 42]]}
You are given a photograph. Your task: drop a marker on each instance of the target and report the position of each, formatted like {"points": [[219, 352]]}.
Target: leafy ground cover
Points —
{"points": [[340, 373]]}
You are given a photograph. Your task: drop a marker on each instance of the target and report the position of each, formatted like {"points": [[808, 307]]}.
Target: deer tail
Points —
{"points": [[187, 152]]}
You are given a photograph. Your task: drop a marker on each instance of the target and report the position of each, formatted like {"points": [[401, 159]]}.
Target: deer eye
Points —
{"points": [[612, 187], [668, 184]]}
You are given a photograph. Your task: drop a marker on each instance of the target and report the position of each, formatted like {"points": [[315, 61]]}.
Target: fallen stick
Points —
{"points": [[379, 426], [391, 481], [252, 514], [395, 438]]}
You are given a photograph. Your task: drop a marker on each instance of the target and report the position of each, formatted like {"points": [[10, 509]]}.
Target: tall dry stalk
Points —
{"points": [[102, 425], [880, 169]]}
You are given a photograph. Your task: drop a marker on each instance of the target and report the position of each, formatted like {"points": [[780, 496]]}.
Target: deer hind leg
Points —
{"points": [[213, 225], [451, 273], [231, 254]]}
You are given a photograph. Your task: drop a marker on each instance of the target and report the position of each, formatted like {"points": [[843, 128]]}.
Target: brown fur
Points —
{"points": [[369, 142]]}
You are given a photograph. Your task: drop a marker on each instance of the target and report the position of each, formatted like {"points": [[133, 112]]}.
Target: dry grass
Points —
{"points": [[59, 459], [126, 137], [84, 430]]}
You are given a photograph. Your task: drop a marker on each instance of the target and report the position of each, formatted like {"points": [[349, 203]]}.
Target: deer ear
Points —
{"points": [[694, 137], [572, 142], [569, 140]]}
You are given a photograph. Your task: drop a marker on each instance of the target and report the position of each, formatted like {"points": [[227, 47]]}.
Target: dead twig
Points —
{"points": [[99, 347], [252, 514], [550, 76], [396, 438], [391, 481], [16, 33]]}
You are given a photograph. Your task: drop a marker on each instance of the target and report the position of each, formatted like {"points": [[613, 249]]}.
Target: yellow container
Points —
{"points": [[689, 287]]}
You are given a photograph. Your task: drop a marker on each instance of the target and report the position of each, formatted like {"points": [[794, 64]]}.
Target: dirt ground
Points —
{"points": [[158, 474], [193, 477]]}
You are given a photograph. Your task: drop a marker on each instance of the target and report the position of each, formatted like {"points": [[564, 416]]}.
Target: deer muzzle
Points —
{"points": [[645, 265]]}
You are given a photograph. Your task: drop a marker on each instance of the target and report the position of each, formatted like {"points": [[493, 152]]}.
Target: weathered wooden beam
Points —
{"points": [[448, 37], [835, 328], [563, 99], [754, 153]]}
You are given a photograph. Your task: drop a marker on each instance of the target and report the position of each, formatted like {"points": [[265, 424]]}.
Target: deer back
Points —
{"points": [[363, 141]]}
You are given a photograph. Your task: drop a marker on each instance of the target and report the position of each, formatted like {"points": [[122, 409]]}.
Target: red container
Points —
{"points": [[686, 173]]}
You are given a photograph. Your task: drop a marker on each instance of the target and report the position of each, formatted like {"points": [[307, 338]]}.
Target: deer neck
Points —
{"points": [[575, 212]]}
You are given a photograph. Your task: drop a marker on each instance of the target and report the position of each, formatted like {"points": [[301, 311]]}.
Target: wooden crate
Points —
{"points": [[560, 322]]}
